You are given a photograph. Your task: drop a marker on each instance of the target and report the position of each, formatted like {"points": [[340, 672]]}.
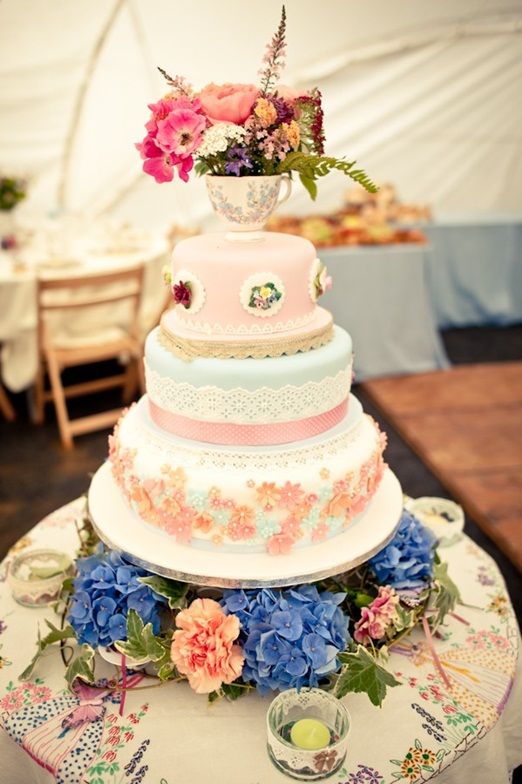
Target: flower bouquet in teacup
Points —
{"points": [[247, 139]]}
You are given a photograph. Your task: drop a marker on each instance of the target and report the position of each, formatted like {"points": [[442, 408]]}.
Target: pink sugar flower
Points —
{"points": [[238, 529], [376, 618], [203, 646], [181, 132], [279, 544], [180, 525], [320, 532], [290, 495]]}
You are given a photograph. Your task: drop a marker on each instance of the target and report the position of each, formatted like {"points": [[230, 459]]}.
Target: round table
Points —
{"points": [[18, 311], [471, 732]]}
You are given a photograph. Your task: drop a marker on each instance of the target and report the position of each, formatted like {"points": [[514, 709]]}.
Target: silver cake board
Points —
{"points": [[122, 530]]}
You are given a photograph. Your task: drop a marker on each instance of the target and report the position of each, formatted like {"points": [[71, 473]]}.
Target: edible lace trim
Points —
{"points": [[245, 406], [188, 349], [257, 328]]}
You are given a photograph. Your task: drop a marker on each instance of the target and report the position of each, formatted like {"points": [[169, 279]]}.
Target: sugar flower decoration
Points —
{"points": [[188, 290], [204, 648], [105, 589], [290, 638], [407, 561]]}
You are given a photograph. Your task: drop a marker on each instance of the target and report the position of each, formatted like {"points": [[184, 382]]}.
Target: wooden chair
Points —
{"points": [[56, 353], [5, 406]]}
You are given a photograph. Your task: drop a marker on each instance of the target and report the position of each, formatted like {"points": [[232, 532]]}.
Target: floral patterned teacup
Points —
{"points": [[244, 204]]}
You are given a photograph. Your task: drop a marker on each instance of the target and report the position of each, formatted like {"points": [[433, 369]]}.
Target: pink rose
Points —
{"points": [[228, 102], [203, 646]]}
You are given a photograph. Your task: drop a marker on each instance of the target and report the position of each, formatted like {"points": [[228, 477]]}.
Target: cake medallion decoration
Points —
{"points": [[187, 290], [320, 281], [263, 294]]}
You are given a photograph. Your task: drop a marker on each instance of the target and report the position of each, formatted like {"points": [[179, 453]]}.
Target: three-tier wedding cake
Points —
{"points": [[248, 461]]}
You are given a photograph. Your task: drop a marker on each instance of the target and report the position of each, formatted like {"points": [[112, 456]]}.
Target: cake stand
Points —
{"points": [[122, 530]]}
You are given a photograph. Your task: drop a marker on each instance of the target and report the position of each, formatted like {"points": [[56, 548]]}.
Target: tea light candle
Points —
{"points": [[310, 734]]}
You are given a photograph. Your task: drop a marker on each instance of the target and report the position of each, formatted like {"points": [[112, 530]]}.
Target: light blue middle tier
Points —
{"points": [[251, 391]]}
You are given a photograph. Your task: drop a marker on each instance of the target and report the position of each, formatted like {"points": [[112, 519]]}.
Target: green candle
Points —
{"points": [[310, 734]]}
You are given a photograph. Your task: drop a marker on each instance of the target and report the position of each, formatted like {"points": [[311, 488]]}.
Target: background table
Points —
{"points": [[381, 297], [475, 270], [18, 313], [469, 734]]}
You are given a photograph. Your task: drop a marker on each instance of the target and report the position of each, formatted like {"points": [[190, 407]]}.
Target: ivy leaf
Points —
{"points": [[362, 673], [233, 691], [166, 671], [405, 619], [55, 635], [142, 645], [174, 591], [81, 666], [445, 594]]}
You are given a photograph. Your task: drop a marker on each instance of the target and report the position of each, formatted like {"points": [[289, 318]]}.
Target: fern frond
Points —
{"points": [[311, 167]]}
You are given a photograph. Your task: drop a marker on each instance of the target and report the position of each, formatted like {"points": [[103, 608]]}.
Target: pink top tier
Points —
{"points": [[227, 280]]}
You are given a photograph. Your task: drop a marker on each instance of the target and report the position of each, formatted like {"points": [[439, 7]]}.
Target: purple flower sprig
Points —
{"points": [[237, 159], [274, 59]]}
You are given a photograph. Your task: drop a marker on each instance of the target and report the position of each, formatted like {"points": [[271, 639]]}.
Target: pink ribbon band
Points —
{"points": [[247, 435]]}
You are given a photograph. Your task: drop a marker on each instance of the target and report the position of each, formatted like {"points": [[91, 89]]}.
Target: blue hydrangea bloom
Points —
{"points": [[105, 589], [290, 638], [407, 561]]}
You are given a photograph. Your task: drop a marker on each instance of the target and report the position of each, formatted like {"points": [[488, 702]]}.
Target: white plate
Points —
{"points": [[122, 530]]}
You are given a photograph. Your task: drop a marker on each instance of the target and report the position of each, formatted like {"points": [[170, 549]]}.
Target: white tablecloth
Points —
{"points": [[18, 313], [470, 733], [475, 270], [381, 297]]}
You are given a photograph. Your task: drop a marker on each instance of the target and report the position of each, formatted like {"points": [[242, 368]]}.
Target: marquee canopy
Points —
{"points": [[425, 95]]}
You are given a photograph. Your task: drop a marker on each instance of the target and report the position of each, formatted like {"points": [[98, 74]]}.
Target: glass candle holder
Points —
{"points": [[443, 517], [307, 750], [36, 576]]}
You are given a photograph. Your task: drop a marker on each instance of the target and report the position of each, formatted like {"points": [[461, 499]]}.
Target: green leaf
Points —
{"points": [[444, 596], [309, 184], [142, 644], [55, 635], [214, 696], [233, 691], [81, 666], [166, 671], [174, 591], [405, 619], [311, 167], [362, 673]]}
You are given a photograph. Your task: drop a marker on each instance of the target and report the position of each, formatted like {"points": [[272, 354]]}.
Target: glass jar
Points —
{"points": [[307, 764], [36, 576]]}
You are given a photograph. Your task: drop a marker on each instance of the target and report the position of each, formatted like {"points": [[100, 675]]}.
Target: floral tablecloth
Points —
{"points": [[470, 732]]}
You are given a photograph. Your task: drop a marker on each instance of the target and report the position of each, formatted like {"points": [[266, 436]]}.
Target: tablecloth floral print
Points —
{"points": [[81, 738]]}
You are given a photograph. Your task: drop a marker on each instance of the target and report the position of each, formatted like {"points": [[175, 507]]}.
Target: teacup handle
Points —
{"points": [[285, 178]]}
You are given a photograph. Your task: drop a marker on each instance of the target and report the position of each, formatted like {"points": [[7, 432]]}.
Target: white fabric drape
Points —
{"points": [[423, 94]]}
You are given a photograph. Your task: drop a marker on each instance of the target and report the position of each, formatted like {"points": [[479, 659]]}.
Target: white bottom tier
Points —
{"points": [[121, 529]]}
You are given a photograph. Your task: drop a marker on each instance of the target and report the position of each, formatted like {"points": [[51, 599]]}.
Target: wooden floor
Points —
{"points": [[466, 425]]}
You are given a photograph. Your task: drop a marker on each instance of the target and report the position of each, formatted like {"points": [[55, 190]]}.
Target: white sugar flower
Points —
{"points": [[218, 137]]}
